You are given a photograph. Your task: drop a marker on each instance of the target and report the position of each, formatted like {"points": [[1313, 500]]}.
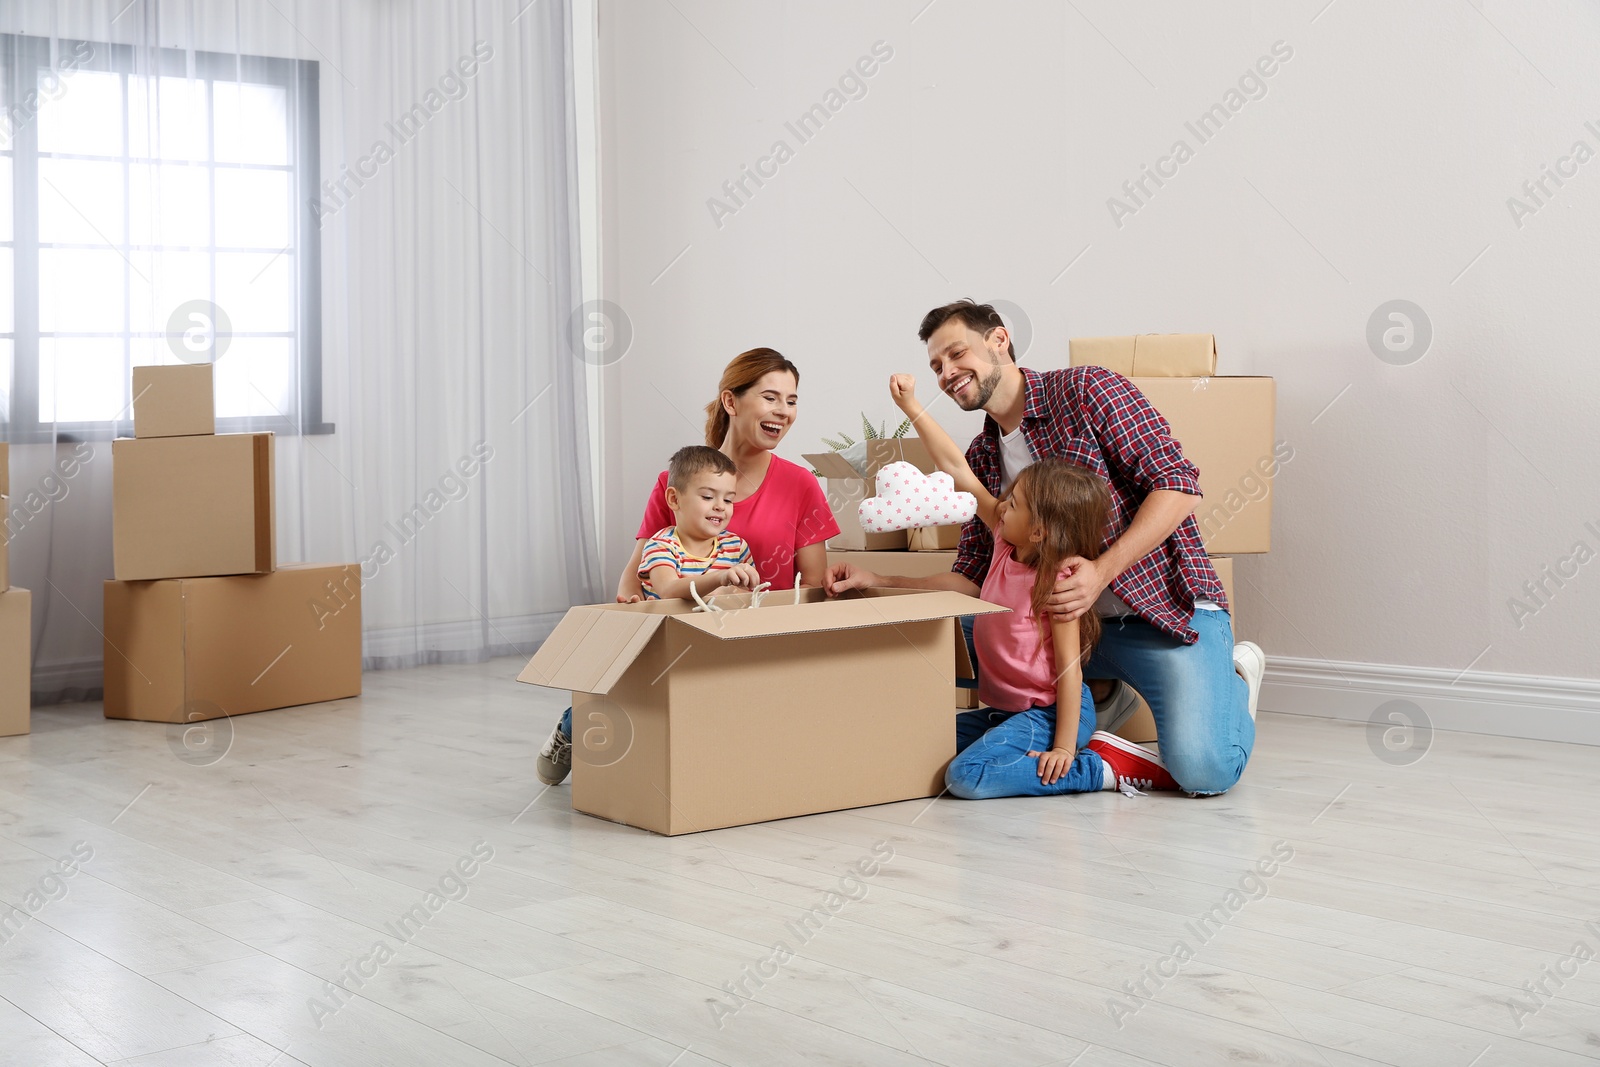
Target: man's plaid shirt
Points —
{"points": [[1100, 420]]}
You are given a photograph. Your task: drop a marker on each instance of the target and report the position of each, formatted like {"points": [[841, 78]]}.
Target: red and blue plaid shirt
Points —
{"points": [[1100, 420]]}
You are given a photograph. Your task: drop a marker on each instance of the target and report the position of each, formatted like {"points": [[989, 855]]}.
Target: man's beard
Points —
{"points": [[986, 388]]}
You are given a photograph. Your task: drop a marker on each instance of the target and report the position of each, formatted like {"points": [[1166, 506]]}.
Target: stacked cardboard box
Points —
{"points": [[16, 626], [200, 622], [1225, 426], [5, 515]]}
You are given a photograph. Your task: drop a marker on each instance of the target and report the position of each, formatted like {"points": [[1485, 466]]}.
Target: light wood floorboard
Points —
{"points": [[226, 912]]}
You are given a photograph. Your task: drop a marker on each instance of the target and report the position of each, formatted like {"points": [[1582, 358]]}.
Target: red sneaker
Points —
{"points": [[1136, 768]]}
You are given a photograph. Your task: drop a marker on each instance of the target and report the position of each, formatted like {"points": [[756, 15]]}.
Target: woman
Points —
{"points": [[778, 507]]}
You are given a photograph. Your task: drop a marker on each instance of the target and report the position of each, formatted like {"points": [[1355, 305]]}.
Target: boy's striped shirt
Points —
{"points": [[665, 548]]}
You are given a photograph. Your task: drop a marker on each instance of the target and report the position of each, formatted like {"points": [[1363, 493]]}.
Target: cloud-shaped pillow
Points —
{"points": [[908, 499]]}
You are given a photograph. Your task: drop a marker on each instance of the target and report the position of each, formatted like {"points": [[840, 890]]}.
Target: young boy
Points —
{"points": [[698, 547]]}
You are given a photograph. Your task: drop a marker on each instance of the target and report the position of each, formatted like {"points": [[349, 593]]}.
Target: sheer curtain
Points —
{"points": [[365, 214]]}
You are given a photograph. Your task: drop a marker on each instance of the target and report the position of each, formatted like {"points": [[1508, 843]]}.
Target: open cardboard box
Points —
{"points": [[190, 649], [1225, 426], [847, 488], [686, 721]]}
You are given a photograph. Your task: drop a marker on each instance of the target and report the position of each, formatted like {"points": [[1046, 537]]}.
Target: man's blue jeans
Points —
{"points": [[992, 754], [1200, 704]]}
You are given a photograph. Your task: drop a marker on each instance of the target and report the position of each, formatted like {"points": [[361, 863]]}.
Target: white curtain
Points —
{"points": [[366, 213]]}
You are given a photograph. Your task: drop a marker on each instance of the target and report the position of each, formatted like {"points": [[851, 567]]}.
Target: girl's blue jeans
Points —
{"points": [[992, 754], [1199, 702]]}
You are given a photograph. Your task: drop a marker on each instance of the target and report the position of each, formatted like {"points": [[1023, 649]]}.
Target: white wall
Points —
{"points": [[1377, 166]]}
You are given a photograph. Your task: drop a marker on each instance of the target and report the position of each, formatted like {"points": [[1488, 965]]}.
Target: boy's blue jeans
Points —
{"points": [[1200, 704]]}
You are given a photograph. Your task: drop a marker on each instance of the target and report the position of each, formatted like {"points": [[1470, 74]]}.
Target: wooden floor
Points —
{"points": [[221, 900]]}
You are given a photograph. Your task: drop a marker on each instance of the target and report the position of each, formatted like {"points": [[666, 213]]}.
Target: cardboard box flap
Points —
{"points": [[879, 608], [880, 453], [590, 649], [883, 451], [830, 465]]}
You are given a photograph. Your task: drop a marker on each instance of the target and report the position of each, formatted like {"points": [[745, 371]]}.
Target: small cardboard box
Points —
{"points": [[1148, 355], [685, 721], [847, 488], [1140, 727], [190, 649], [16, 661], [904, 564], [188, 507], [1223, 565], [934, 538], [173, 401], [1225, 426]]}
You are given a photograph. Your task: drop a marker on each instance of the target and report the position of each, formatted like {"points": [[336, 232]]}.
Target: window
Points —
{"points": [[160, 210]]}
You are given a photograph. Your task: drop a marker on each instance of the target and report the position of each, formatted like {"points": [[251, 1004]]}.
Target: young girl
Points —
{"points": [[1036, 735]]}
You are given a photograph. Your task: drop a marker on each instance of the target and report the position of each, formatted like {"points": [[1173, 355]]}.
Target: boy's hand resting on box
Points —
{"points": [[842, 577]]}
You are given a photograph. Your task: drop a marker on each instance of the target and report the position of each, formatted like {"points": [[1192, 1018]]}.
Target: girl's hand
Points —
{"points": [[903, 391], [1053, 764]]}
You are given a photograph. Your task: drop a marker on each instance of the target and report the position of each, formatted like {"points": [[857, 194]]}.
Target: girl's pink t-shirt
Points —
{"points": [[1016, 666], [787, 512]]}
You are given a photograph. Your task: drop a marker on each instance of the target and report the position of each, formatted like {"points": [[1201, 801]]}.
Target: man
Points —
{"points": [[1167, 631]]}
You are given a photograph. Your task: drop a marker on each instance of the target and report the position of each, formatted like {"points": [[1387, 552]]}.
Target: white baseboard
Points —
{"points": [[1479, 702], [469, 641], [67, 681]]}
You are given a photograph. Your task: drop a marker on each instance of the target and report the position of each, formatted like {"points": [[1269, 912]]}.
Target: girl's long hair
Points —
{"points": [[1072, 505], [747, 369]]}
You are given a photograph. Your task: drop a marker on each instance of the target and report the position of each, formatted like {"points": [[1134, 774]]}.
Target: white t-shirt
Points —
{"points": [[1014, 456]]}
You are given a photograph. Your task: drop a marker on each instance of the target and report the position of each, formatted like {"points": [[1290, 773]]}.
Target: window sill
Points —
{"points": [[69, 433]]}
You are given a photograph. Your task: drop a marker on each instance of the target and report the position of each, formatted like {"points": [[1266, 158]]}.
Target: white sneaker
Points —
{"points": [[1115, 709], [1251, 663], [555, 758]]}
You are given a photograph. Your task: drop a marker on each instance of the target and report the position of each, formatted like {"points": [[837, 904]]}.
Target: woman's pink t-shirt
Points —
{"points": [[1016, 666], [787, 512]]}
